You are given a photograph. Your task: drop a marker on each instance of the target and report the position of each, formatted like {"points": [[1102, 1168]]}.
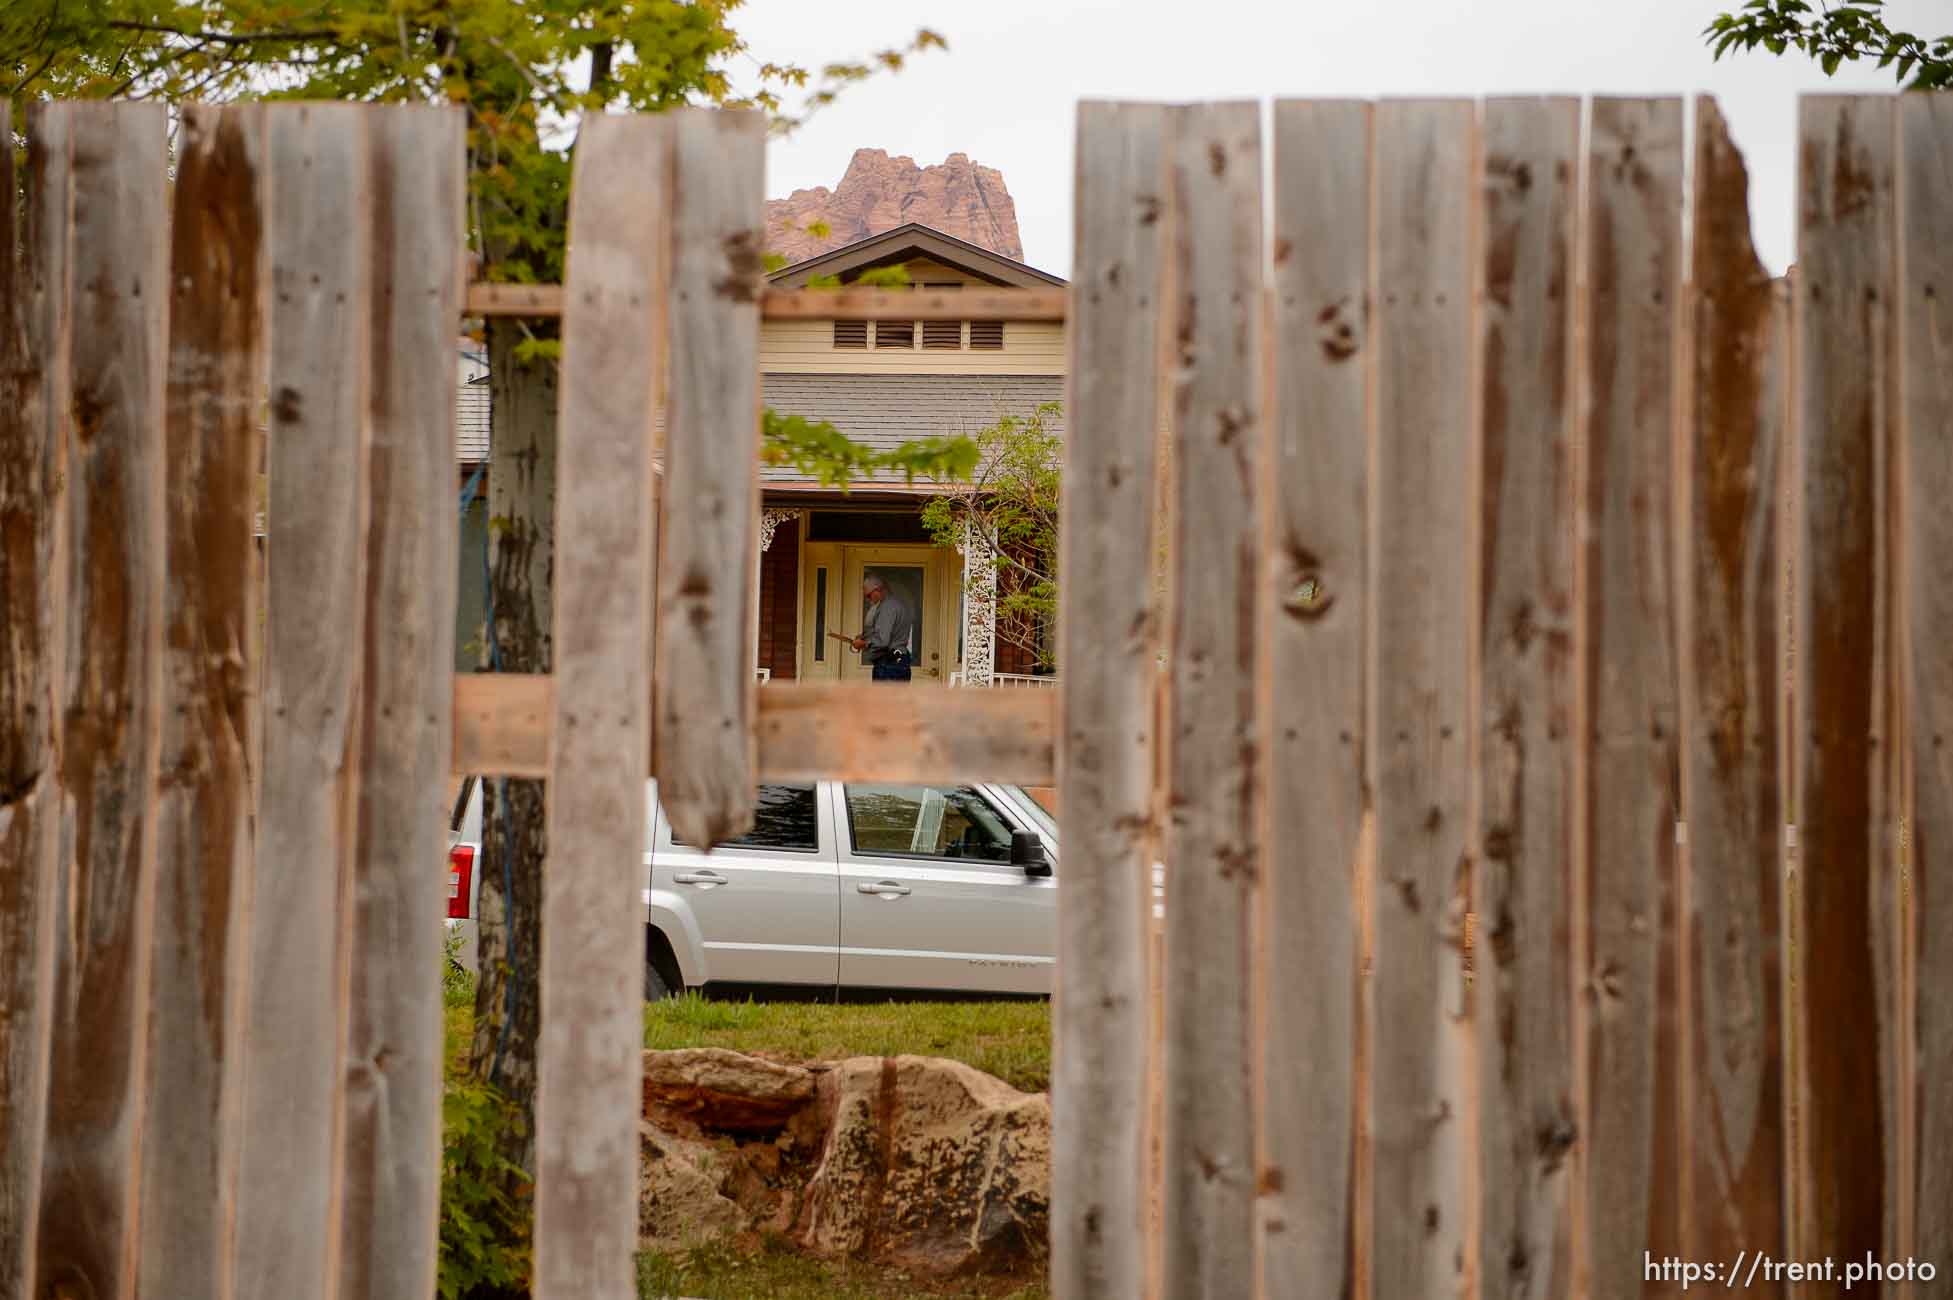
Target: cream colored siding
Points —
{"points": [[806, 347], [928, 270]]}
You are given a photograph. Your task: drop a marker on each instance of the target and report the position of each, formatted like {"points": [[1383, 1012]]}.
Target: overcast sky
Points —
{"points": [[1005, 93]]}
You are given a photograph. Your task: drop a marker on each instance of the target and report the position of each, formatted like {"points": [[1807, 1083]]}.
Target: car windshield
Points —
{"points": [[1034, 810]]}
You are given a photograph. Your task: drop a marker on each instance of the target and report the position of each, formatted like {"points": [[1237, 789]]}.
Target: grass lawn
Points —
{"points": [[775, 1272], [1011, 1040]]}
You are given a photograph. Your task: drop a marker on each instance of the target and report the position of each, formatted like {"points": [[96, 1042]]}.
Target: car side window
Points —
{"points": [[926, 821], [785, 817]]}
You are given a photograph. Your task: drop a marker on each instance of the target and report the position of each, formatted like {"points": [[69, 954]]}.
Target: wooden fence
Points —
{"points": [[1500, 503]]}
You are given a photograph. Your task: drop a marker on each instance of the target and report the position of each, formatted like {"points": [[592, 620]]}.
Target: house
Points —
{"points": [[881, 383]]}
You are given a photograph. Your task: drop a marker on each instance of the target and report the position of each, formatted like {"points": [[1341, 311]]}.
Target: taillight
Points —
{"points": [[461, 874]]}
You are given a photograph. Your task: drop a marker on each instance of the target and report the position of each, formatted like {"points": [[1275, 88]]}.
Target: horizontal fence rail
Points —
{"points": [[545, 301], [1551, 767]]}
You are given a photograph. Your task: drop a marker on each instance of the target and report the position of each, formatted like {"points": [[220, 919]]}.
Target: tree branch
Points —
{"points": [[222, 38]]}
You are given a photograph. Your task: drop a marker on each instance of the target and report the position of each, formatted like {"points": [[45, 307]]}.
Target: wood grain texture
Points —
{"points": [[1925, 469], [1314, 611], [1634, 274], [1421, 570], [34, 315], [1846, 1090], [393, 1061], [592, 946], [1736, 431], [288, 1222], [536, 301], [855, 731], [1102, 1043], [213, 399], [1524, 968], [1215, 759], [708, 563], [109, 693]]}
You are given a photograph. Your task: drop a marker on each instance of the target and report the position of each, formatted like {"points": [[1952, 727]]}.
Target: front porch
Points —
{"points": [[815, 551]]}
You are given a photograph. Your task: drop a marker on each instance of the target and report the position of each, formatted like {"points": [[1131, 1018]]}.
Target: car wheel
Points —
{"points": [[655, 988]]}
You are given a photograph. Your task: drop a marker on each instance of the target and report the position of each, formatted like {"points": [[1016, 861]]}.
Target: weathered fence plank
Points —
{"points": [[1215, 759], [1634, 274], [34, 314], [1314, 613], [593, 944], [708, 565], [109, 687], [204, 836], [1523, 966], [393, 1062], [1925, 468], [1846, 1089], [1736, 432], [1102, 1042], [288, 1223], [1417, 675]]}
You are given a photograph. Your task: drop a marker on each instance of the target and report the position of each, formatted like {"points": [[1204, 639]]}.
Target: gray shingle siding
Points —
{"points": [[880, 411]]}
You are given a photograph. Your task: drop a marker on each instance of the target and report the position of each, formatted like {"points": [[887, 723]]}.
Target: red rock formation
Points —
{"points": [[957, 197]]}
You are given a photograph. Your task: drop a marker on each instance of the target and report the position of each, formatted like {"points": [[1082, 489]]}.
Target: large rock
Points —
{"points": [[679, 1201], [924, 1165], [930, 1166], [956, 196], [728, 1092]]}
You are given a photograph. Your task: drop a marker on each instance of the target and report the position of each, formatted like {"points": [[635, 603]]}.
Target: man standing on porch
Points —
{"points": [[886, 631]]}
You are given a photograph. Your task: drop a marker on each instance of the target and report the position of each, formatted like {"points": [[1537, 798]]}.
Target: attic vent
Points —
{"points": [[850, 333], [942, 334], [895, 334], [987, 334]]}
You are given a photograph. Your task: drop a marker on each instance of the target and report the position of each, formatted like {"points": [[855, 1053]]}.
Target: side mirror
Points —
{"points": [[1027, 851]]}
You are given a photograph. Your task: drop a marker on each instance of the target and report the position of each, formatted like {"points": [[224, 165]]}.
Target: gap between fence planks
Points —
{"points": [[544, 301], [1106, 761], [855, 731], [592, 948]]}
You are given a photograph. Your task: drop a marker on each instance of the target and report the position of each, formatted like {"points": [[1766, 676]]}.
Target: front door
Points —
{"points": [[921, 575]]}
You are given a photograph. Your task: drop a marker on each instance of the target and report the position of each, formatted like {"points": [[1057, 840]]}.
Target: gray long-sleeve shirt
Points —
{"points": [[889, 625]]}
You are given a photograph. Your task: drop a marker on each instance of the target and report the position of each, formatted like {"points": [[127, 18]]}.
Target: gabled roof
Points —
{"points": [[894, 247]]}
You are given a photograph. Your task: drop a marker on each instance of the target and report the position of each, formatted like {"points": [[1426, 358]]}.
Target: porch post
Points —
{"points": [[770, 519], [979, 608]]}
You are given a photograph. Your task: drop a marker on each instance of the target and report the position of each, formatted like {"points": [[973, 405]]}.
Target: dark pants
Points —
{"points": [[894, 668]]}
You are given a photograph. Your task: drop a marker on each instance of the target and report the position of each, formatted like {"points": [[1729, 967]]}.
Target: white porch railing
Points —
{"points": [[1019, 680]]}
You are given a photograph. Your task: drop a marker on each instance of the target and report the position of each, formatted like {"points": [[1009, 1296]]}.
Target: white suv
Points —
{"points": [[840, 888]]}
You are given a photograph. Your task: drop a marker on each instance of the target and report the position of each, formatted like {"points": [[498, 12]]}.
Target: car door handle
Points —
{"points": [[707, 878], [885, 888]]}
